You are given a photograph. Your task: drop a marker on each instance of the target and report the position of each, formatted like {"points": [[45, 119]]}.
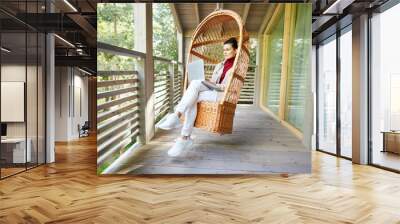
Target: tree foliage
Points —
{"points": [[115, 24], [116, 27], [164, 35]]}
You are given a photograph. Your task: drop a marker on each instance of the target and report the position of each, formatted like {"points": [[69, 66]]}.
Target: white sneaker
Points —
{"points": [[170, 122], [180, 146]]}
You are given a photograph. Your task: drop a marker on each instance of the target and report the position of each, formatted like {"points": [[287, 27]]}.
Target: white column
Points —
{"points": [[50, 99], [360, 90]]}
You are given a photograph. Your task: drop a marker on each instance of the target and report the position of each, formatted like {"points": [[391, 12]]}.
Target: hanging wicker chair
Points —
{"points": [[207, 44]]}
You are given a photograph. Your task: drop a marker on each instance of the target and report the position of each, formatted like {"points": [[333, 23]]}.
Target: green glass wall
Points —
{"points": [[274, 66], [299, 70]]}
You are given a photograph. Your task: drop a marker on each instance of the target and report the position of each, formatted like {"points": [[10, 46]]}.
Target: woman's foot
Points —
{"points": [[170, 122], [181, 144]]}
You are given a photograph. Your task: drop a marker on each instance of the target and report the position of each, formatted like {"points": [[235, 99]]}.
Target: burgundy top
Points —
{"points": [[227, 65]]}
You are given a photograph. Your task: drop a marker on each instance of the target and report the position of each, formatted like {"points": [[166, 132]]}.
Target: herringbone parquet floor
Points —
{"points": [[70, 192]]}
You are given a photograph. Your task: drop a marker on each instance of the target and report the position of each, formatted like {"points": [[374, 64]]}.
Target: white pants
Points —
{"points": [[196, 92]]}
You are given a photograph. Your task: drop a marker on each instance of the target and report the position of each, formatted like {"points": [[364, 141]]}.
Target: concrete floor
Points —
{"points": [[258, 144]]}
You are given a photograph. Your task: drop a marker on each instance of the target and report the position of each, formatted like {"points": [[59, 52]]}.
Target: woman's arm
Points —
{"points": [[215, 74], [212, 85], [226, 79]]}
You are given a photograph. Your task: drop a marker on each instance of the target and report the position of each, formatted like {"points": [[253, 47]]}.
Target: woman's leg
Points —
{"points": [[185, 142], [190, 97], [191, 112], [188, 100], [190, 117]]}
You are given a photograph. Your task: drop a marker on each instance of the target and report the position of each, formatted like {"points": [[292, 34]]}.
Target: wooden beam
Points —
{"points": [[264, 68], [85, 25], [277, 13], [245, 13], [176, 17], [270, 14], [197, 13]]}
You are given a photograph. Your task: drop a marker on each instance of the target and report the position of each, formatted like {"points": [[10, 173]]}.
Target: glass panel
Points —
{"points": [[327, 97], [32, 90], [274, 66], [115, 24], [13, 80], [300, 67], [22, 88], [386, 89], [346, 94], [41, 99], [31, 98]]}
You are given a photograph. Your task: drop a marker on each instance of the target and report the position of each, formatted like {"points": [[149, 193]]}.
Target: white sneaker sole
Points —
{"points": [[169, 128]]}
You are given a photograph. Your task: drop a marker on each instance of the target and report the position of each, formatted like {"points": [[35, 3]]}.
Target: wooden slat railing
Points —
{"points": [[178, 83], [117, 109], [117, 114], [167, 88], [162, 82]]}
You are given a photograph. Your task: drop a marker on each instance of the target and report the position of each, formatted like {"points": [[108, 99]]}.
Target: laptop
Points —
{"points": [[196, 70]]}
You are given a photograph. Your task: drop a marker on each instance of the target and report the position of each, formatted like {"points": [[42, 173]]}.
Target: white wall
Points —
{"points": [[34, 125], [16, 73], [71, 87], [79, 117]]}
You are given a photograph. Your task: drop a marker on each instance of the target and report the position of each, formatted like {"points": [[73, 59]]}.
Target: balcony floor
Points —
{"points": [[258, 144]]}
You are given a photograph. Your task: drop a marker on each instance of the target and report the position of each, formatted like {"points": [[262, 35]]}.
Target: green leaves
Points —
{"points": [[164, 32]]}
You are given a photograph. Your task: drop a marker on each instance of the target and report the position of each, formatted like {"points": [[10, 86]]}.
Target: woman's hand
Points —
{"points": [[221, 87], [209, 80]]}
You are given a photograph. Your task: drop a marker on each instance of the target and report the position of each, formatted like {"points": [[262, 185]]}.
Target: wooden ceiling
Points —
{"points": [[188, 15]]}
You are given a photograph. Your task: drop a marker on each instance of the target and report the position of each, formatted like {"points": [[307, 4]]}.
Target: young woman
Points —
{"points": [[196, 92]]}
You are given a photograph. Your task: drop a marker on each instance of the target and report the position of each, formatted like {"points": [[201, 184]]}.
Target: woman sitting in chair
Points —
{"points": [[197, 92]]}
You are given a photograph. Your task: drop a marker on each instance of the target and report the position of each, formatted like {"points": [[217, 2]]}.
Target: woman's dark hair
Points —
{"points": [[233, 42]]}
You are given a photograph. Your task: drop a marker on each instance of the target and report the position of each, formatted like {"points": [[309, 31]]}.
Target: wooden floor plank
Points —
{"points": [[258, 144], [69, 191]]}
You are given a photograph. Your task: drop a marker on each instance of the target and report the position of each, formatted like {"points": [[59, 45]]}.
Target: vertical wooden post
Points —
{"points": [[257, 78], [144, 43], [180, 47], [286, 59], [264, 70], [181, 56], [92, 101], [140, 68], [171, 86]]}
